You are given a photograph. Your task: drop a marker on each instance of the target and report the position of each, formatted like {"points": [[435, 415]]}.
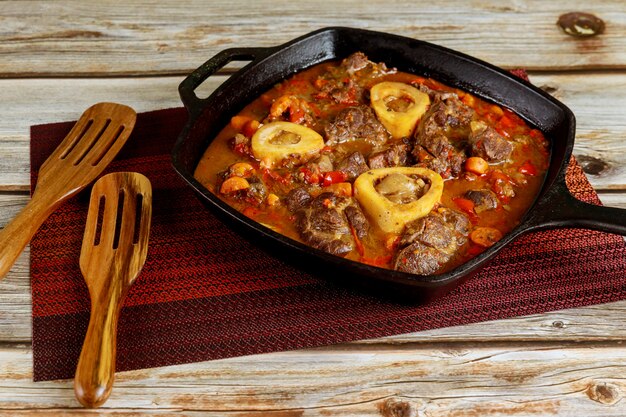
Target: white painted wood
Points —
{"points": [[146, 37]]}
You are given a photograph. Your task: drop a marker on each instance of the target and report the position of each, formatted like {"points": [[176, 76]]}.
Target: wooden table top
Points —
{"points": [[57, 58]]}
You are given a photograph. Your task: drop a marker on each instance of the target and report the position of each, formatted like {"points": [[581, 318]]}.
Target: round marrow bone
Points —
{"points": [[391, 216], [276, 141], [398, 106]]}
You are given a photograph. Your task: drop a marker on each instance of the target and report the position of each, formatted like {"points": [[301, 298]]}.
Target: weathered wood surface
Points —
{"points": [[566, 363], [435, 380], [598, 102], [146, 37]]}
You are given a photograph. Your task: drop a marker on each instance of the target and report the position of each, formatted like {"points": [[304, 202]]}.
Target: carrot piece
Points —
{"points": [[241, 169], [477, 165], [239, 121], [233, 184], [250, 127], [341, 188], [272, 199]]}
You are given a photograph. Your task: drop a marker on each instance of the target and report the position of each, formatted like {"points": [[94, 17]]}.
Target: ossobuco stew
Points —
{"points": [[379, 166]]}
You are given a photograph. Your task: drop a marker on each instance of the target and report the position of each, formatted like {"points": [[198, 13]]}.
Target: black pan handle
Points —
{"points": [[560, 209], [187, 88]]}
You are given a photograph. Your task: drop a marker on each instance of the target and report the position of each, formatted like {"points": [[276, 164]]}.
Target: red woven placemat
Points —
{"points": [[206, 293]]}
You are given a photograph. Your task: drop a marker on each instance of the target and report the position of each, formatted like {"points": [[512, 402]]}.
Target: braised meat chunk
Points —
{"points": [[355, 62], [420, 259], [448, 117], [297, 199], [482, 199], [358, 123], [438, 154], [325, 223], [430, 242], [353, 165], [458, 221], [441, 134], [358, 61], [431, 230], [489, 144], [394, 155]]}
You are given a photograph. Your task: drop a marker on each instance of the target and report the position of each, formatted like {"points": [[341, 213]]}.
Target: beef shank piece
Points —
{"points": [[449, 160], [358, 123], [459, 223], [355, 62], [448, 116], [431, 241], [489, 144], [444, 125], [395, 155], [358, 61], [353, 165], [420, 259], [483, 200], [297, 198], [325, 223], [431, 230], [342, 91], [357, 220]]}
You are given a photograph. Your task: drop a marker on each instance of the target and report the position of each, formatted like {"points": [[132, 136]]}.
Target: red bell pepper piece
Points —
{"points": [[333, 177]]}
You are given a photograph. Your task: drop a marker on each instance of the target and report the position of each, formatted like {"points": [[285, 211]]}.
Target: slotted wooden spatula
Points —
{"points": [[90, 146], [114, 250]]}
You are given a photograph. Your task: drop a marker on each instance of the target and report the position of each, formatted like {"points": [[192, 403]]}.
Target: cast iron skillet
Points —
{"points": [[554, 207]]}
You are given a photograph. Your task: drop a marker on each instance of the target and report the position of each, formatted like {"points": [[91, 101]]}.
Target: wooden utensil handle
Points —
{"points": [[96, 366], [16, 234]]}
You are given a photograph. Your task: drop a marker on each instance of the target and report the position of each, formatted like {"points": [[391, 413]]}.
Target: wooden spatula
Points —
{"points": [[90, 146], [114, 250]]}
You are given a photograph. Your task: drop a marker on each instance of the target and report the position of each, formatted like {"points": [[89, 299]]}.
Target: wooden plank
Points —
{"points": [[616, 199], [122, 38], [597, 100], [15, 297], [434, 380], [37, 101]]}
